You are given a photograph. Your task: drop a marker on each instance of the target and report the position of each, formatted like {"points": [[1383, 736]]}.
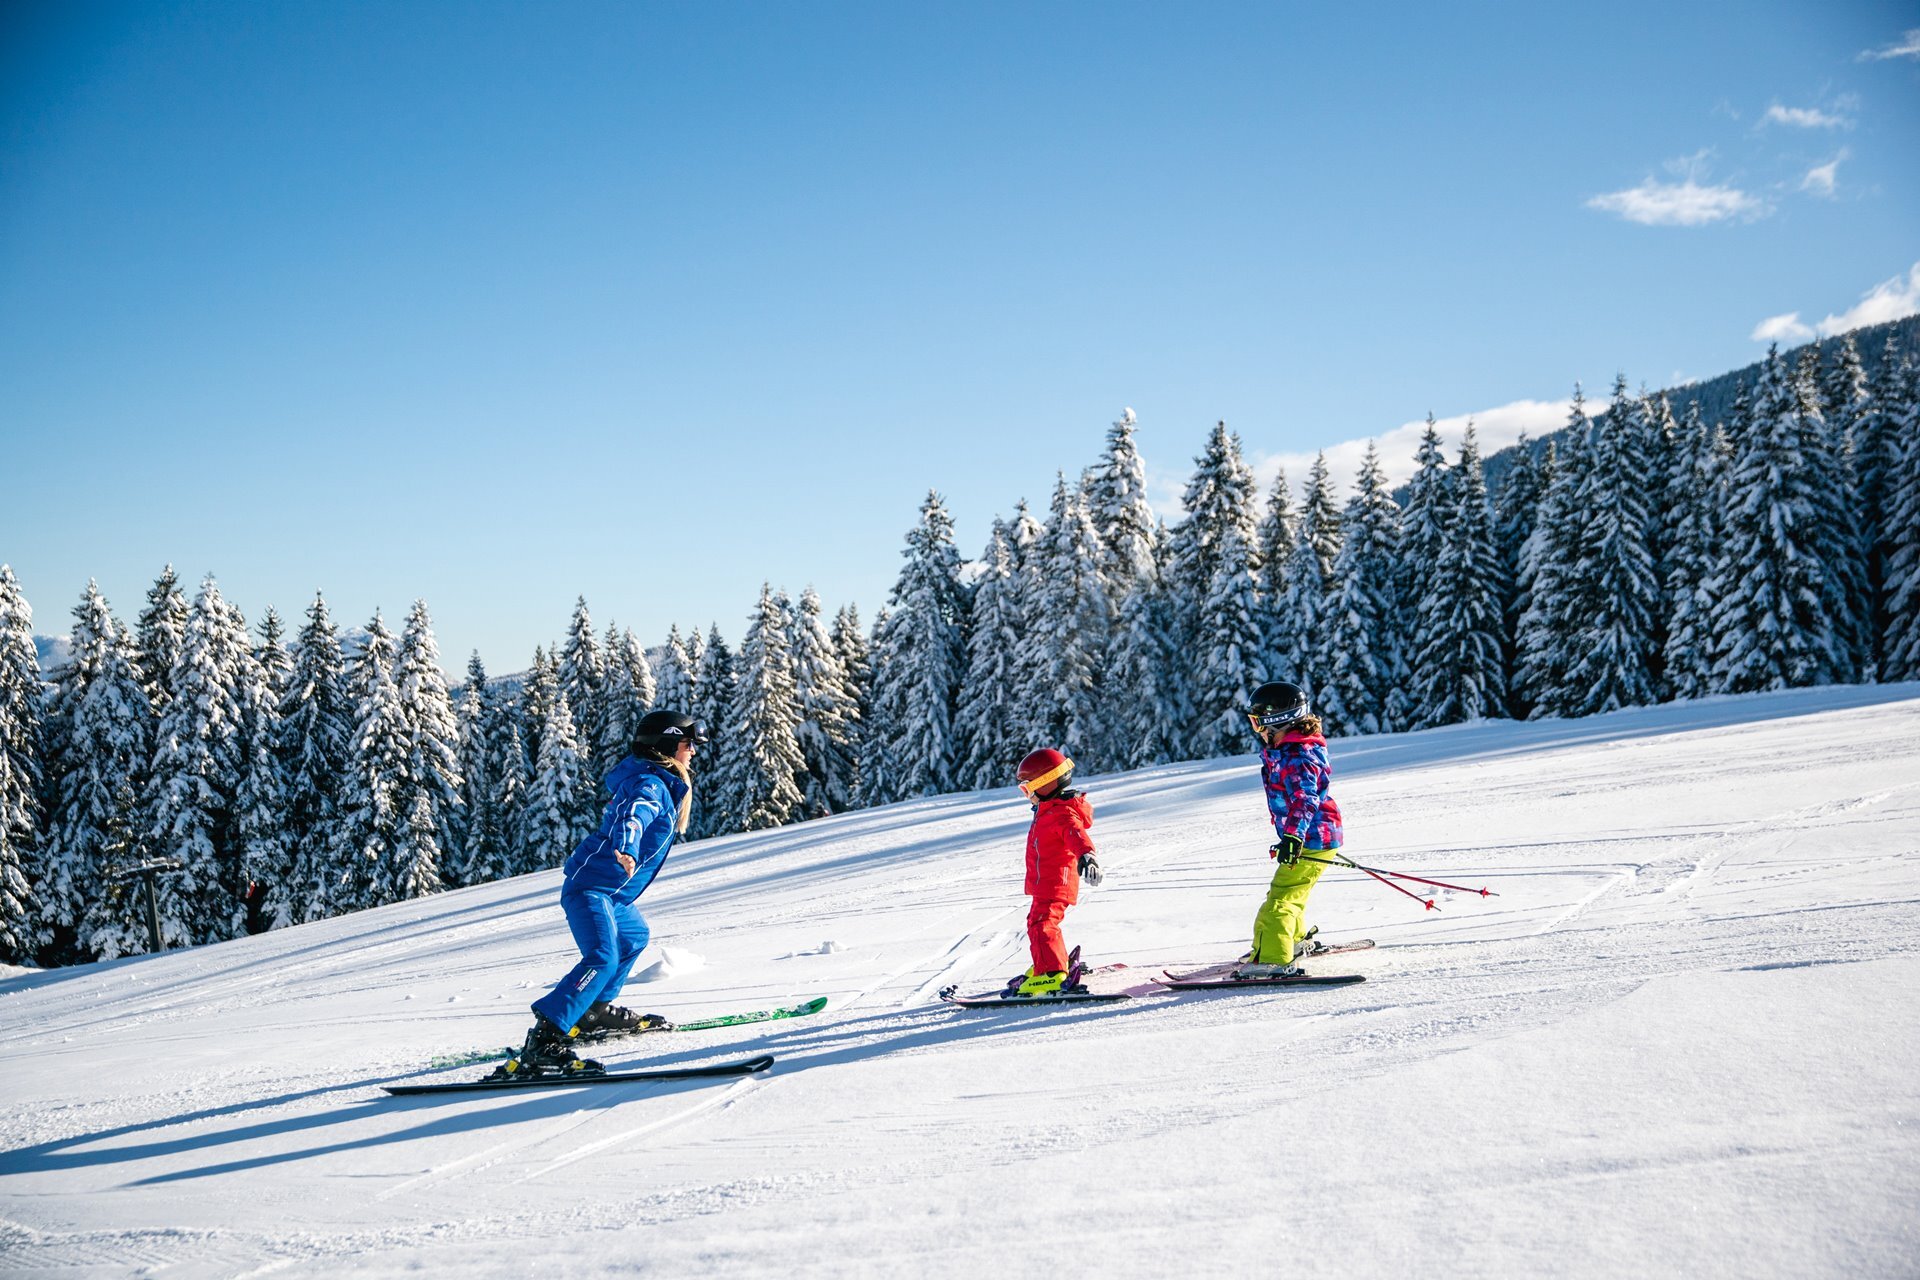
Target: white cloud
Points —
{"points": [[1888, 300], [1907, 46], [1820, 179], [1494, 429], [1686, 203], [1805, 118], [1786, 328]]}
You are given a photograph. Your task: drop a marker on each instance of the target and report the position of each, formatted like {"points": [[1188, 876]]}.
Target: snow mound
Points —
{"points": [[673, 963]]}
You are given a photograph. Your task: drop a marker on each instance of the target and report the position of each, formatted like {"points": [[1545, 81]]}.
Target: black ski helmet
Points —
{"points": [[662, 732], [1277, 703]]}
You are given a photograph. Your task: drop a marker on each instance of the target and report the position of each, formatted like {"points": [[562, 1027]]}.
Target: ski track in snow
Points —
{"points": [[216, 1111]]}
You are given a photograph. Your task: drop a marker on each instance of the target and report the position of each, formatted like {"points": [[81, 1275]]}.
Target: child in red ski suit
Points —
{"points": [[1059, 852]]}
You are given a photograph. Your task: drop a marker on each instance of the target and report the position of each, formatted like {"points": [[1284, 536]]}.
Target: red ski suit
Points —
{"points": [[1054, 844]]}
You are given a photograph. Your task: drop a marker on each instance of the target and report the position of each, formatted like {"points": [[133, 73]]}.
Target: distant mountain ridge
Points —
{"points": [[1716, 395]]}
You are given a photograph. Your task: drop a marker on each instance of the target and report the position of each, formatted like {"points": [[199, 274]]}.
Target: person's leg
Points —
{"points": [[1280, 920], [633, 936], [591, 918], [1048, 948]]}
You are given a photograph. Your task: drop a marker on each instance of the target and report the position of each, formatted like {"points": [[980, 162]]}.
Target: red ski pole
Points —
{"points": [[1401, 875], [1428, 903]]}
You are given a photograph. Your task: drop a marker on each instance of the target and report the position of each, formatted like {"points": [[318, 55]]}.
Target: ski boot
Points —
{"points": [[602, 1020], [1040, 984], [547, 1052], [1248, 971], [1308, 944]]}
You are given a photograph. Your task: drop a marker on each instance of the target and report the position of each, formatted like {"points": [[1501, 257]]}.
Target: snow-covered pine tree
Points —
{"points": [[1117, 505], [1460, 671], [99, 742], [918, 661], [1613, 662], [316, 732], [766, 713], [474, 855], [1066, 638], [1516, 505], [536, 699], [989, 693], [22, 758], [717, 769], [1900, 642], [1423, 525], [198, 763], [1026, 591], [1877, 454], [1142, 700], [1299, 649], [851, 651], [583, 675], [551, 825], [1772, 615], [1551, 598], [1320, 516], [627, 696], [265, 844], [673, 683], [157, 642], [639, 670], [827, 713], [1220, 495], [1273, 553], [1841, 540], [1699, 497], [371, 819], [1229, 650], [514, 774], [432, 771], [416, 858], [1664, 455], [1362, 687]]}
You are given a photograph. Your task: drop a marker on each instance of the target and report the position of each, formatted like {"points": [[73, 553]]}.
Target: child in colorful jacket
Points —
{"points": [[1059, 852], [1296, 774]]}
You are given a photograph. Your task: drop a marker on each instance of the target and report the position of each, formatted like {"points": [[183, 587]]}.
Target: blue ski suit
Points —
{"points": [[598, 894]]}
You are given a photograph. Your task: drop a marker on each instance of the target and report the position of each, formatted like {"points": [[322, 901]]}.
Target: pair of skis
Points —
{"points": [[555, 1079], [1214, 977], [704, 1024]]}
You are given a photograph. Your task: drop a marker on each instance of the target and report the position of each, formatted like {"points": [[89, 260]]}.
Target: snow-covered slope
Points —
{"points": [[1680, 1041]]}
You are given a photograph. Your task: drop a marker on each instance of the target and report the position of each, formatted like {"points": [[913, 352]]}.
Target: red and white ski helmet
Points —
{"points": [[1041, 769]]}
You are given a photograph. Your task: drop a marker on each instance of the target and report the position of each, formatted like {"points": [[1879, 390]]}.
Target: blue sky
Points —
{"points": [[502, 304]]}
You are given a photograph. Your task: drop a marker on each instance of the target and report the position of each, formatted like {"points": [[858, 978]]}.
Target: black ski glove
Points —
{"points": [[1090, 869], [1286, 851]]}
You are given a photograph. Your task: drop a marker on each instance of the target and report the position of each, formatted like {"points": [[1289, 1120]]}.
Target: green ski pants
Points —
{"points": [[1281, 920]]}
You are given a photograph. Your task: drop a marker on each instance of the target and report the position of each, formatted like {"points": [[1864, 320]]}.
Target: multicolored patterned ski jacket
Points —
{"points": [[1297, 775]]}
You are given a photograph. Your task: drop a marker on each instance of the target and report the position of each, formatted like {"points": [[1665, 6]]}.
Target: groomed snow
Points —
{"points": [[1680, 1041]]}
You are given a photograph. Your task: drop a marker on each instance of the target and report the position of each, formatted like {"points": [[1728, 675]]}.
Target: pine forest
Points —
{"points": [[1656, 548]]}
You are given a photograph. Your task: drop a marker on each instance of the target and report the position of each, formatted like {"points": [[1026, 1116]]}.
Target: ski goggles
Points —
{"points": [[1031, 785], [1265, 720]]}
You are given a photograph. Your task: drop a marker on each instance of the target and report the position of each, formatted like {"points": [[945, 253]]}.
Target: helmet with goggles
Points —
{"points": [[1041, 770]]}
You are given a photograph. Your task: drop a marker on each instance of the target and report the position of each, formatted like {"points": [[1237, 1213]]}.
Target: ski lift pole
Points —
{"points": [[147, 870]]}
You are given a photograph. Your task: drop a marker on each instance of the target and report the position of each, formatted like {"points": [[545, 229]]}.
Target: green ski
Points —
{"points": [[704, 1024]]}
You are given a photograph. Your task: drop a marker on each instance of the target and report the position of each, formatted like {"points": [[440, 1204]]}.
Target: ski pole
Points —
{"points": [[1401, 875], [1428, 903]]}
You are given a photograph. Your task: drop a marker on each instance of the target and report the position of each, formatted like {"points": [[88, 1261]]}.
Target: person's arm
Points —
{"points": [[642, 812], [1308, 777]]}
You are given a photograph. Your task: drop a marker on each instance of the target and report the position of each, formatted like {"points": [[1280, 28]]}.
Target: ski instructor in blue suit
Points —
{"points": [[609, 870]]}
